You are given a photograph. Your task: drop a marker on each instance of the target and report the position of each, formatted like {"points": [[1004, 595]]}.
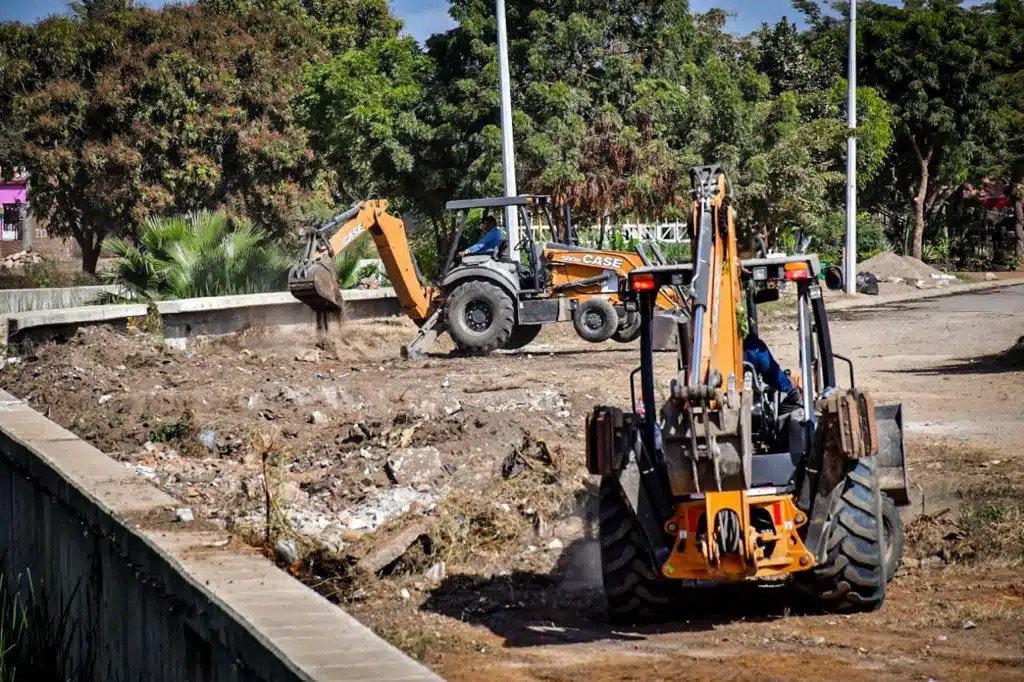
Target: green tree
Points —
{"points": [[121, 113], [925, 61]]}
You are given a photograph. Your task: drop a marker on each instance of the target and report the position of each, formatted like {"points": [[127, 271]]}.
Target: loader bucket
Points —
{"points": [[315, 284], [892, 469], [665, 330]]}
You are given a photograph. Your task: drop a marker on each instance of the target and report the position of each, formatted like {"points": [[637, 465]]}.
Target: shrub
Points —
{"points": [[200, 254]]}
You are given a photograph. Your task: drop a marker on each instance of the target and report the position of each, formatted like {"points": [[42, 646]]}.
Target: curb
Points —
{"points": [[865, 301]]}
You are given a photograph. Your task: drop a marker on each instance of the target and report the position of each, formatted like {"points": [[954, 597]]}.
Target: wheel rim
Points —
{"points": [[478, 316], [594, 320]]}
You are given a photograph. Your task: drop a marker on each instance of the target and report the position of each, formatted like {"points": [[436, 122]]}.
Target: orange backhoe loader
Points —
{"points": [[485, 301], [719, 483]]}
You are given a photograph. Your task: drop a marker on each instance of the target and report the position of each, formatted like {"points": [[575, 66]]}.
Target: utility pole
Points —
{"points": [[508, 154], [850, 274]]}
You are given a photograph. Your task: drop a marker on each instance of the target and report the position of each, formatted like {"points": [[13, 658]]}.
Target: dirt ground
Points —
{"points": [[330, 454]]}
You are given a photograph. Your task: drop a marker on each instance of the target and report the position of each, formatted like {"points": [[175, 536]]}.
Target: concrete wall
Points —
{"points": [[154, 600], [196, 318], [24, 300]]}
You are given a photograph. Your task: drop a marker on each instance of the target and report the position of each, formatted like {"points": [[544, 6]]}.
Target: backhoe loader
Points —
{"points": [[485, 301], [717, 483]]}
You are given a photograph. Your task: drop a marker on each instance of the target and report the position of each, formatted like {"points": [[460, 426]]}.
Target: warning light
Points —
{"points": [[642, 282], [796, 271]]}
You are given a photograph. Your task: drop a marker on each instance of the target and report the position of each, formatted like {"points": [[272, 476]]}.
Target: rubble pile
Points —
{"points": [[21, 259]]}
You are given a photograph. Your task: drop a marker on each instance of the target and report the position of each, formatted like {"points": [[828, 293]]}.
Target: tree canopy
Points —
{"points": [[271, 109]]}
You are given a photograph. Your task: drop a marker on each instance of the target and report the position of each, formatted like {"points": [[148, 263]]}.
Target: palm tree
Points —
{"points": [[200, 254]]}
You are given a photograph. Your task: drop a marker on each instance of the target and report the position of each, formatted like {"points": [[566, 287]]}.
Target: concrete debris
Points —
{"points": [[254, 401], [318, 418], [555, 544], [208, 438], [383, 556], [21, 259], [990, 277], [184, 515], [969, 625], [104, 399], [437, 573], [383, 504], [146, 472], [287, 550], [310, 355], [414, 466], [920, 284], [404, 594]]}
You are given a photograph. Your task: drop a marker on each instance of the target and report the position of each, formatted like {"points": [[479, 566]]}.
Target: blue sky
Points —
{"points": [[425, 17]]}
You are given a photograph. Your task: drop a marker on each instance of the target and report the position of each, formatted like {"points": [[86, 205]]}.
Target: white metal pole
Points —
{"points": [[851, 158], [508, 157]]}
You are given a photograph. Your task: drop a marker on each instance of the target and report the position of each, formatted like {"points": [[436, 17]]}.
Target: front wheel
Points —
{"points": [[853, 573], [635, 592], [480, 317]]}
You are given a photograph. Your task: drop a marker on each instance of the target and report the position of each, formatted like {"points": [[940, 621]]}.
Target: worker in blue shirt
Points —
{"points": [[757, 354], [490, 239]]}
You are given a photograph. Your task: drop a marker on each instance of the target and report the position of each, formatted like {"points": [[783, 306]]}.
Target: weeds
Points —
{"points": [[36, 638], [167, 432]]}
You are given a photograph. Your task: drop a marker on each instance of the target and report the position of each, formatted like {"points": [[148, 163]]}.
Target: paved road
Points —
{"points": [[943, 358]]}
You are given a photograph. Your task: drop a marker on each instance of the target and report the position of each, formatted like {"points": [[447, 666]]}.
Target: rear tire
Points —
{"points": [[595, 320], [635, 592], [523, 335], [852, 576], [629, 328], [480, 317]]}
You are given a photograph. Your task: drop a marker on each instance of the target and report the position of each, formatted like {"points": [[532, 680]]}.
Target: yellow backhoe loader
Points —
{"points": [[490, 300], [718, 483]]}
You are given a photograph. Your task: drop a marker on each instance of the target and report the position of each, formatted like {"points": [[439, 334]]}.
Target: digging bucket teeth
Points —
{"points": [[314, 283]]}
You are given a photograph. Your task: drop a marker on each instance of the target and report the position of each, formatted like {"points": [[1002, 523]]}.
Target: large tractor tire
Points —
{"points": [[480, 317], [634, 591], [893, 525], [595, 319], [629, 328], [852, 576]]}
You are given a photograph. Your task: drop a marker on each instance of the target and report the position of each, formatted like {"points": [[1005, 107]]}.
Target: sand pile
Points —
{"points": [[887, 265]]}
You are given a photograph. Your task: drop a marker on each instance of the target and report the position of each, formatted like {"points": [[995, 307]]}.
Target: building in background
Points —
{"points": [[15, 224]]}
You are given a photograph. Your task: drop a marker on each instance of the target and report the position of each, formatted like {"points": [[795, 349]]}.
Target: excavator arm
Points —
{"points": [[314, 281]]}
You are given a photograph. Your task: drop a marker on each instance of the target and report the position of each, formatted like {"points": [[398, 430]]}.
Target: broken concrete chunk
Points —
{"points": [[184, 515], [393, 548], [310, 355], [437, 572], [318, 418], [287, 550]]}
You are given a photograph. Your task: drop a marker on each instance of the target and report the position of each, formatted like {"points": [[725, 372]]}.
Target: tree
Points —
{"points": [[141, 112], [361, 107], [1004, 43], [924, 60]]}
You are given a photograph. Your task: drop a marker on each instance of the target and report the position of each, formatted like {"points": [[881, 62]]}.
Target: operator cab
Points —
{"points": [[532, 274]]}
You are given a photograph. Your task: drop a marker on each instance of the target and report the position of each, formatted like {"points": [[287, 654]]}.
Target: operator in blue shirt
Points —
{"points": [[489, 240], [757, 354]]}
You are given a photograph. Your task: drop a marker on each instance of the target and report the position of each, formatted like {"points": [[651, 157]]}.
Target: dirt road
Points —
{"points": [[354, 445]]}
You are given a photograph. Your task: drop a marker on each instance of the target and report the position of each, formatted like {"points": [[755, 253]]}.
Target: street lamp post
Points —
{"points": [[851, 158], [508, 158]]}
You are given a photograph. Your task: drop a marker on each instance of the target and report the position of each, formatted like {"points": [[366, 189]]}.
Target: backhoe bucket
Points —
{"points": [[315, 284], [892, 468]]}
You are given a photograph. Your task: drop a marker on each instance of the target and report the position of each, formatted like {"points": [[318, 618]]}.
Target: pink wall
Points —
{"points": [[13, 193]]}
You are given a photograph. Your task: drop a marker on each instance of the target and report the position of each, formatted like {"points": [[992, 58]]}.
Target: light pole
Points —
{"points": [[508, 155], [851, 158]]}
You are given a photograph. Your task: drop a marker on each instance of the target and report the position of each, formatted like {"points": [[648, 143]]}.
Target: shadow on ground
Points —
{"points": [[567, 607], [1009, 360]]}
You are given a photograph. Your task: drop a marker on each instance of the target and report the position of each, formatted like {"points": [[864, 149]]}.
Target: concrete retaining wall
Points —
{"points": [[25, 300], [154, 600], [196, 318]]}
